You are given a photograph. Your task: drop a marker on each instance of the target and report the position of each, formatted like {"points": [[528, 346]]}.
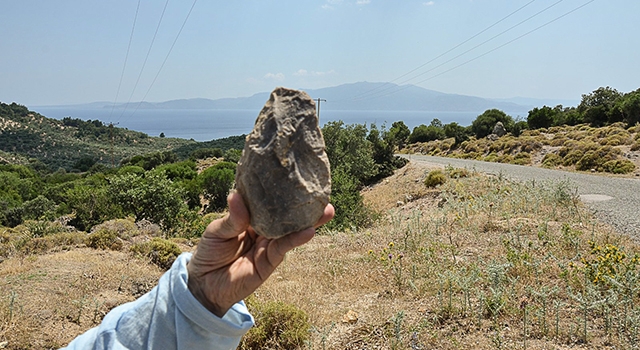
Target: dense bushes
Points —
{"points": [[168, 195], [483, 125], [358, 157], [216, 181]]}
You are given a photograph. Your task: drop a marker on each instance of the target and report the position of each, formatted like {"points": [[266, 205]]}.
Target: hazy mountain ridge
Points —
{"points": [[361, 96]]}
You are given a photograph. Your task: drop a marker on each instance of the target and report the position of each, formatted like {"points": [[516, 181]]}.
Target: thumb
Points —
{"points": [[232, 224]]}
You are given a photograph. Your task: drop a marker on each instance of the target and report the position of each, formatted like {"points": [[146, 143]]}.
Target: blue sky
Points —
{"points": [[73, 51]]}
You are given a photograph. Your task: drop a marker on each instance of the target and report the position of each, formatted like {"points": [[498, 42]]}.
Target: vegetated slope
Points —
{"points": [[471, 263], [611, 149], [29, 137]]}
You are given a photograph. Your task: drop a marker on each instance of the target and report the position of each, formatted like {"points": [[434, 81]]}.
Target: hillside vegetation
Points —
{"points": [[601, 134], [26, 137], [79, 232], [415, 258]]}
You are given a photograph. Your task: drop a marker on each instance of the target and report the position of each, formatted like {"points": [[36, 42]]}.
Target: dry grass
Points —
{"points": [[475, 263], [47, 300], [456, 267]]}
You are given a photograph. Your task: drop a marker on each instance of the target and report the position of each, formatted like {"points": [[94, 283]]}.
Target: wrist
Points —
{"points": [[196, 287]]}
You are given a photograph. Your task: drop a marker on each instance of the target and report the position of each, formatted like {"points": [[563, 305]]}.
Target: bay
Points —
{"points": [[209, 124]]}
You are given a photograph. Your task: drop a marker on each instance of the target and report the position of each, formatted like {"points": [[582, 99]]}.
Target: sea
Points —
{"points": [[210, 124]]}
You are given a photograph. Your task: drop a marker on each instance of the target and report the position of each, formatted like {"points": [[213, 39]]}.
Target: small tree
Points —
{"points": [[398, 134], [541, 117], [460, 133], [485, 122], [630, 107], [423, 133], [598, 107], [152, 197], [216, 182]]}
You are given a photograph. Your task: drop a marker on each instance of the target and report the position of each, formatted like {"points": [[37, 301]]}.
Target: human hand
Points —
{"points": [[232, 261]]}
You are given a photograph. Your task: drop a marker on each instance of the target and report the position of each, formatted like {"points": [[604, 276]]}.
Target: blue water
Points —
{"points": [[205, 125]]}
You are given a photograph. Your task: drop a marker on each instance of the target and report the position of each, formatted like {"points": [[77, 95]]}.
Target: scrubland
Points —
{"points": [[612, 149], [466, 262]]}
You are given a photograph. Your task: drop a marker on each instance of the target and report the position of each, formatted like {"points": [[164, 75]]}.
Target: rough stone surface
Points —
{"points": [[499, 129], [283, 174]]}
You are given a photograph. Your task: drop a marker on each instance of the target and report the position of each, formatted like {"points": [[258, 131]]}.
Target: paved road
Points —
{"points": [[615, 201]]}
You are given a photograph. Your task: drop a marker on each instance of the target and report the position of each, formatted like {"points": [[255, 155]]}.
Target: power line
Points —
{"points": [[446, 52], [126, 57], [475, 47], [155, 34], [496, 48], [166, 57]]}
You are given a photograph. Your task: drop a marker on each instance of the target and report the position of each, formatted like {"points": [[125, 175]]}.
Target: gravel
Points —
{"points": [[615, 201]]}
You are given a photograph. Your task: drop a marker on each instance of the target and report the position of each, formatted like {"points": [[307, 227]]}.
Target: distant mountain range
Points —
{"points": [[362, 96]]}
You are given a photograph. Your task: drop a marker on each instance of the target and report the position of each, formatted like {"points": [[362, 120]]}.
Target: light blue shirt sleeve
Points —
{"points": [[168, 317]]}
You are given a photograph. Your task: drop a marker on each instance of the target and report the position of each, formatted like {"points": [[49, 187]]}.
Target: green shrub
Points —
{"points": [[522, 158], [558, 140], [153, 197], [595, 159], [491, 157], [620, 166], [39, 228], [278, 326], [530, 144], [615, 140], [635, 146], [471, 155], [572, 158], [232, 155], [505, 158], [532, 132], [162, 252], [104, 239], [216, 182], [123, 228], [551, 160], [60, 240], [456, 173], [348, 203], [435, 178], [483, 125]]}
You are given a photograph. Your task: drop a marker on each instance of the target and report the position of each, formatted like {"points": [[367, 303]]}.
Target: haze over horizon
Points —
{"points": [[71, 51]]}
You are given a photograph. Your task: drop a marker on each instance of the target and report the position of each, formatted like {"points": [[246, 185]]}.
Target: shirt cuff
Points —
{"points": [[236, 322]]}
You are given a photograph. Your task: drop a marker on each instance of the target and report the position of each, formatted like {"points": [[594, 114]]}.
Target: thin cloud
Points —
{"points": [[306, 73], [276, 76], [363, 2], [331, 3], [429, 3]]}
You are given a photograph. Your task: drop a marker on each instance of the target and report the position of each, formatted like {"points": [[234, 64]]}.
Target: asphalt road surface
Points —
{"points": [[614, 200]]}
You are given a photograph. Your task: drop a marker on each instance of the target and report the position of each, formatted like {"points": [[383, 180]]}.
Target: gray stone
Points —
{"points": [[283, 174], [499, 129]]}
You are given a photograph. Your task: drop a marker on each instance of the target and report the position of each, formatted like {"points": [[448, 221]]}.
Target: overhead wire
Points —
{"points": [[155, 34], [469, 50], [446, 52], [166, 57], [494, 49], [126, 58]]}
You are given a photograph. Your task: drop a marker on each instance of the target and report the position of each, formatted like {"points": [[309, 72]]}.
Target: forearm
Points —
{"points": [[168, 317]]}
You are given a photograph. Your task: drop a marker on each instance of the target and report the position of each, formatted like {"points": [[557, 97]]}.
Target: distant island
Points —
{"points": [[361, 96]]}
